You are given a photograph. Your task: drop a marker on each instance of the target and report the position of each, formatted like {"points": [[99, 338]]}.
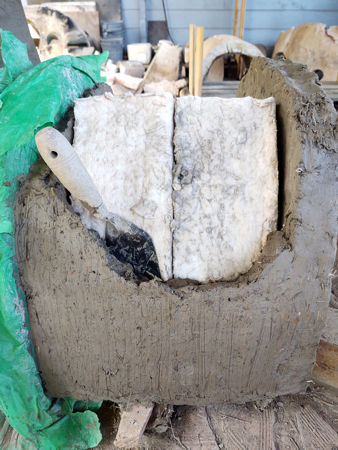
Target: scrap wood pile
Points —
{"points": [[75, 28], [164, 73]]}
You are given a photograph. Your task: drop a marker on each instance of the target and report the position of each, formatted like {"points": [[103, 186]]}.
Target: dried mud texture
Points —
{"points": [[99, 336], [223, 211]]}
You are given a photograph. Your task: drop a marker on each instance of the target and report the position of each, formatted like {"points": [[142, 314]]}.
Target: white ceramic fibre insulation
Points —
{"points": [[125, 143], [226, 185]]}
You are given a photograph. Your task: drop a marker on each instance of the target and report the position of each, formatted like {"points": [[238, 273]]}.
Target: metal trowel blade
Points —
{"points": [[132, 245]]}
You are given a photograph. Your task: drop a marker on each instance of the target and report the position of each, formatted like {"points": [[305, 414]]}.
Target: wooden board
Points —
{"points": [[198, 57], [192, 35], [326, 367], [226, 89], [288, 423], [132, 425]]}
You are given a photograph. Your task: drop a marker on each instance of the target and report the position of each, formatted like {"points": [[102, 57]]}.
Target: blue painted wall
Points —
{"points": [[264, 20]]}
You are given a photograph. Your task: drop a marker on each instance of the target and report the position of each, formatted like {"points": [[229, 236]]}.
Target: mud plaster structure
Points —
{"points": [[98, 335]]}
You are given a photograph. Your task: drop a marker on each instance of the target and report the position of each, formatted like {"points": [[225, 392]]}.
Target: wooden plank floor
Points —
{"points": [[224, 89], [294, 422]]}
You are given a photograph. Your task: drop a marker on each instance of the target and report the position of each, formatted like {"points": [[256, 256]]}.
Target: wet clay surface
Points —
{"points": [[99, 334]]}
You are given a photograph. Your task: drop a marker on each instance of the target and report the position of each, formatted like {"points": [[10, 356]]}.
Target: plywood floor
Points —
{"points": [[302, 422], [291, 422]]}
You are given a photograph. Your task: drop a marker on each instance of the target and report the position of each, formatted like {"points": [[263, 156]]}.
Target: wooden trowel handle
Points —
{"points": [[64, 162]]}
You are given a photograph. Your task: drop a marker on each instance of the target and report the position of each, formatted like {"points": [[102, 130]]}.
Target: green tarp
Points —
{"points": [[30, 99]]}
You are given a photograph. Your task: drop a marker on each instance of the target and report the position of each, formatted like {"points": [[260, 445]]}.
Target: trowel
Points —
{"points": [[126, 241]]}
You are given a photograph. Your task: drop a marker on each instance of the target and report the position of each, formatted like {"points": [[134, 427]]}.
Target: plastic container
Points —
{"points": [[139, 52]]}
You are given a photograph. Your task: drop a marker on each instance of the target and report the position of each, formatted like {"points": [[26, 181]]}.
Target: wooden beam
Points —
{"points": [[198, 62], [326, 366], [236, 17], [325, 370], [242, 19], [192, 31]]}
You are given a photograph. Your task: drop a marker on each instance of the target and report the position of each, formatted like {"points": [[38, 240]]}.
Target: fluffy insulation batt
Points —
{"points": [[210, 214], [226, 185], [125, 142]]}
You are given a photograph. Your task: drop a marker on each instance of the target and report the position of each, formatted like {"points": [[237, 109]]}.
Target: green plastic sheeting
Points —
{"points": [[30, 99]]}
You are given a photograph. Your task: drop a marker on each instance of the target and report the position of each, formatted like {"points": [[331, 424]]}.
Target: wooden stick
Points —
{"points": [[236, 18], [242, 19], [192, 32], [198, 62], [132, 425]]}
